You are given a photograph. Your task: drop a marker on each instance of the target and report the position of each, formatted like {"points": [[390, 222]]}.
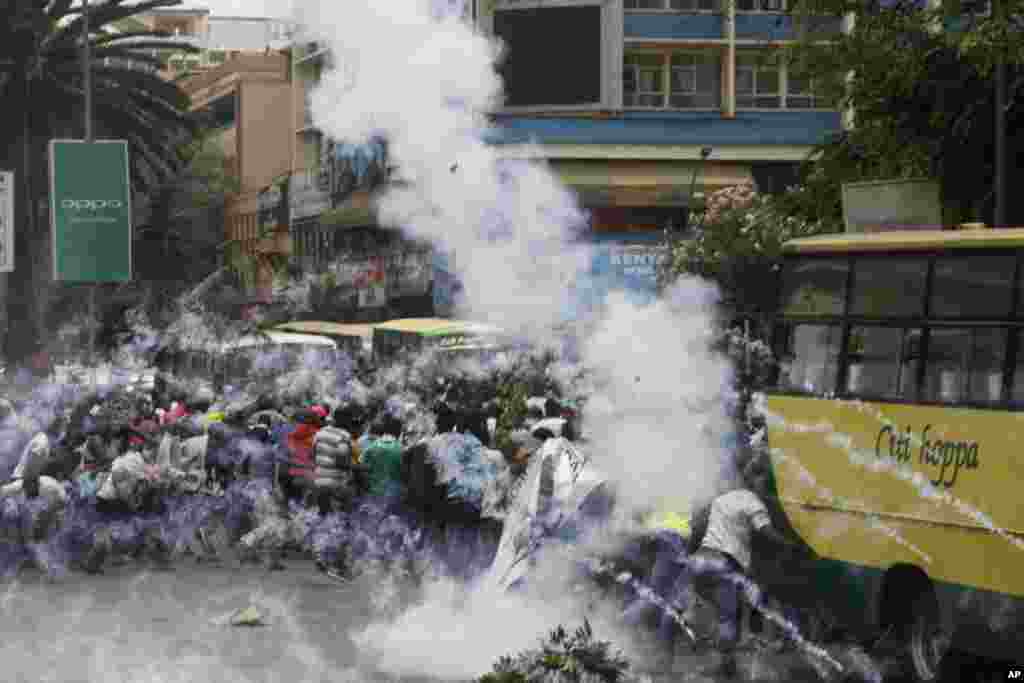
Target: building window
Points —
{"points": [[803, 92], [760, 5], [765, 81], [758, 82], [693, 81], [643, 84], [675, 5]]}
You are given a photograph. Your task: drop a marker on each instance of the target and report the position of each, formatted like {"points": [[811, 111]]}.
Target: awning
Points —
{"points": [[647, 183], [356, 212]]}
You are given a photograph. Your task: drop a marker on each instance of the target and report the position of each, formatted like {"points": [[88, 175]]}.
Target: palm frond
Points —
{"points": [[100, 15], [129, 35]]}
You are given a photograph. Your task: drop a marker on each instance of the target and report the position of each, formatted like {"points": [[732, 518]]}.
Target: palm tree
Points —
{"points": [[176, 245], [42, 88]]}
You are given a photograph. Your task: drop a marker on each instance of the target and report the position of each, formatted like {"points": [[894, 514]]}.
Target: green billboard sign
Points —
{"points": [[90, 211]]}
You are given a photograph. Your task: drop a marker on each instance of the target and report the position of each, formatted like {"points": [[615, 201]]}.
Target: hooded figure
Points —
{"points": [[559, 493]]}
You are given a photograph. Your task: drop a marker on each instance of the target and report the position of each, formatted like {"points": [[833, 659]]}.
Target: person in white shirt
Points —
{"points": [[722, 561]]}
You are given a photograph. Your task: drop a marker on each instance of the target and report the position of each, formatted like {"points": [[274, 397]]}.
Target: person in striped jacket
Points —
{"points": [[337, 478]]}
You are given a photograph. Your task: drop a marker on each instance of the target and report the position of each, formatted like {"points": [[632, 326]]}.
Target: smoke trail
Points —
{"points": [[656, 420], [508, 222]]}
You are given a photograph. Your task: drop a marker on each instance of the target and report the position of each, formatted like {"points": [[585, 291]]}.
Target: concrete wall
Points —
{"points": [[264, 133]]}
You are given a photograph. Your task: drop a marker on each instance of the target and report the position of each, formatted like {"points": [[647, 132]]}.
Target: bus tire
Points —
{"points": [[928, 645]]}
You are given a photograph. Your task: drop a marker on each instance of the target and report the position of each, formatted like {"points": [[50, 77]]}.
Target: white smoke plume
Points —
{"points": [[656, 420], [422, 79]]}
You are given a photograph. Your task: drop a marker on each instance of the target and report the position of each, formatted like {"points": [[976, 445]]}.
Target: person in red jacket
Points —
{"points": [[299, 477]]}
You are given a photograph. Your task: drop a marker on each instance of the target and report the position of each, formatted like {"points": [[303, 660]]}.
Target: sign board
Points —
{"points": [[306, 197], [408, 271], [6, 222], [90, 210], [879, 205]]}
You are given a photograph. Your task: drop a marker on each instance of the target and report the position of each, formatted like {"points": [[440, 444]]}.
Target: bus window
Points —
{"points": [[972, 285], [1018, 372], [885, 287], [883, 362], [809, 358], [965, 365], [815, 286]]}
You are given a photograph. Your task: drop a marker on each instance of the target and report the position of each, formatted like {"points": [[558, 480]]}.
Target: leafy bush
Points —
{"points": [[739, 245], [563, 657]]}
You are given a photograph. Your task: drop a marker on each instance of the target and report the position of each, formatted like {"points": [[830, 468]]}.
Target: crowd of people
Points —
{"points": [[154, 474]]}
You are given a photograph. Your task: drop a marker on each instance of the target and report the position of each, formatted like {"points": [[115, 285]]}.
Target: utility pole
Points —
{"points": [[87, 70], [999, 210], [87, 87]]}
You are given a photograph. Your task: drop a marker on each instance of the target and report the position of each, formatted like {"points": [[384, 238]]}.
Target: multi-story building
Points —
{"points": [[240, 78], [627, 111], [375, 273], [218, 38], [652, 104]]}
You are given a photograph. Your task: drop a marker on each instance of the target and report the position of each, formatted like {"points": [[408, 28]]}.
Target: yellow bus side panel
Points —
{"points": [[879, 484]]}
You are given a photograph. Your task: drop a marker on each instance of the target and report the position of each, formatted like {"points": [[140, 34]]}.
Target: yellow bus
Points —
{"points": [[894, 427], [394, 338]]}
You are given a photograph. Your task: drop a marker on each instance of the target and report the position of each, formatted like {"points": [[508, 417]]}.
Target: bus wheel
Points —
{"points": [[928, 643]]}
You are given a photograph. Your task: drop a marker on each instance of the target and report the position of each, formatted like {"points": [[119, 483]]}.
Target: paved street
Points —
{"points": [[136, 625]]}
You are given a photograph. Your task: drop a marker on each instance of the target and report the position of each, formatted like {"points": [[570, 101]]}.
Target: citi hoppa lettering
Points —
{"points": [[947, 456]]}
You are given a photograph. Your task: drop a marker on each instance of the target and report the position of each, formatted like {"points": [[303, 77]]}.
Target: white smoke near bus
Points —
{"points": [[415, 74]]}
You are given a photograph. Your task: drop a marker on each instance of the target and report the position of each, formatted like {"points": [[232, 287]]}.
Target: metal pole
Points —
{"points": [[93, 333], [87, 87], [999, 210], [86, 70]]}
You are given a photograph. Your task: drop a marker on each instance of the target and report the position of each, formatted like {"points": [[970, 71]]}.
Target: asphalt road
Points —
{"points": [[134, 624]]}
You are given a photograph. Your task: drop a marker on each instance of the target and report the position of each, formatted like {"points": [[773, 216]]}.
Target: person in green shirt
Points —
{"points": [[382, 457]]}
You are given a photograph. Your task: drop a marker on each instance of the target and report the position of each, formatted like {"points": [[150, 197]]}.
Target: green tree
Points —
{"points": [[176, 245], [42, 88], [738, 246], [921, 94]]}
